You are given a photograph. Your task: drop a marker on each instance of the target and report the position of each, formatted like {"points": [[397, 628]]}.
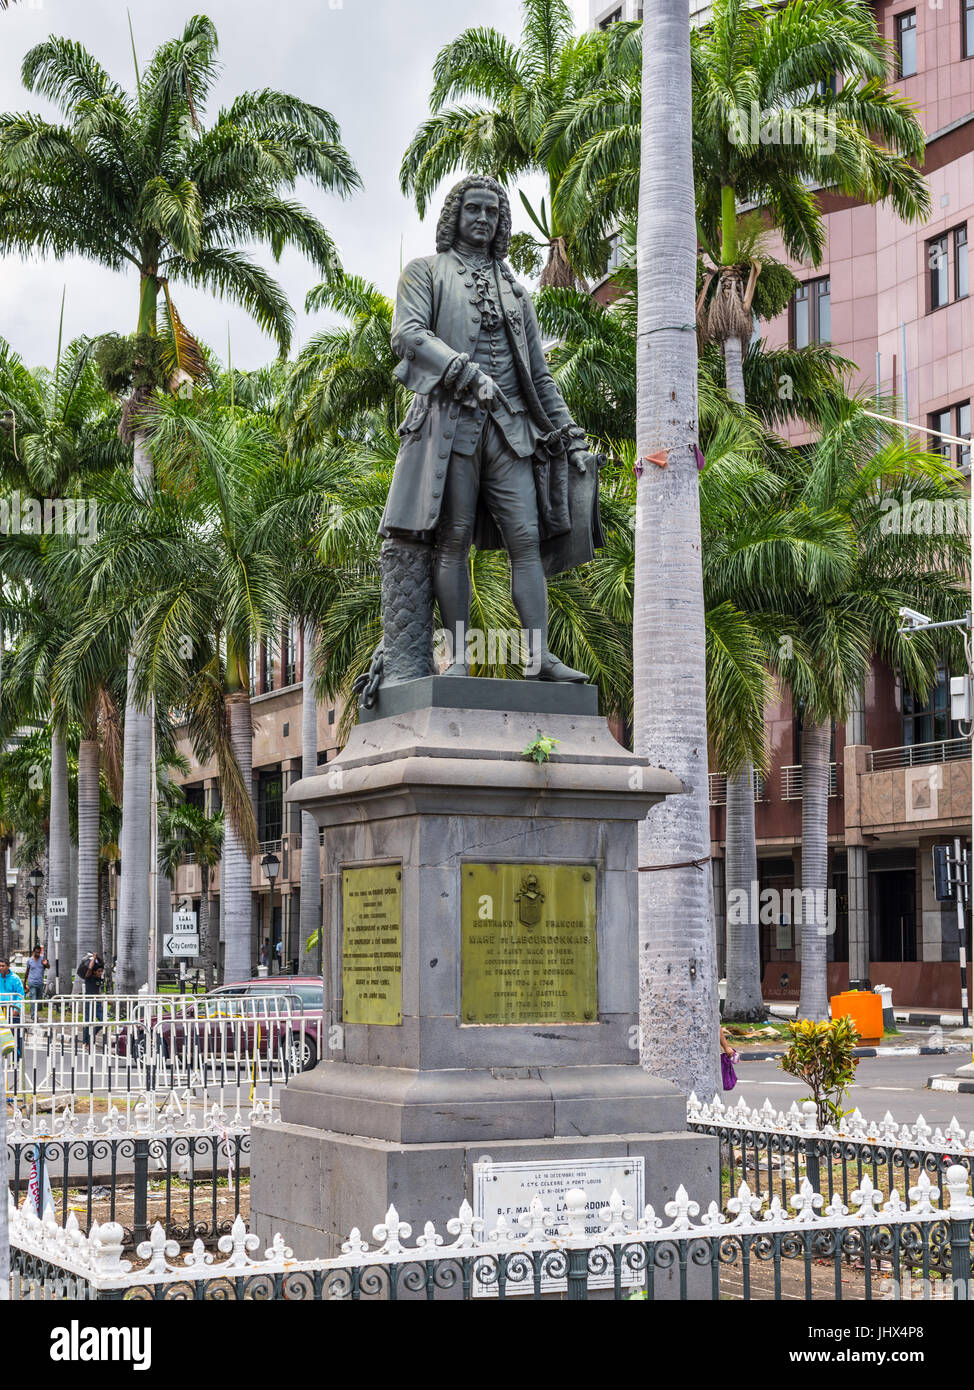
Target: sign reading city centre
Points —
{"points": [[372, 944], [528, 943]]}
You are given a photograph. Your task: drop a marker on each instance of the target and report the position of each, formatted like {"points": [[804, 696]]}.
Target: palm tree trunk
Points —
{"points": [[133, 901], [678, 975], [104, 938], [88, 868], [238, 963], [6, 946], [310, 920], [206, 946], [815, 859], [743, 1002], [69, 940], [59, 851]]}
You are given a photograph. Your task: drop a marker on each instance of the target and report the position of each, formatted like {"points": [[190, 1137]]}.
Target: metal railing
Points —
{"points": [[717, 788], [791, 782], [166, 1044], [777, 1150], [194, 1177], [947, 750], [741, 1254]]}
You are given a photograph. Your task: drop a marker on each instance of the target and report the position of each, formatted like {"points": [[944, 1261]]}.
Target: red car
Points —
{"points": [[278, 1016]]}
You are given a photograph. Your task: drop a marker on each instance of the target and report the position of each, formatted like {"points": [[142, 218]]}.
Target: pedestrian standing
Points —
{"points": [[91, 971], [11, 999], [37, 963], [728, 1056]]}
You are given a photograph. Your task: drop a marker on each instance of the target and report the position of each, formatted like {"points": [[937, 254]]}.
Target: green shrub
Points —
{"points": [[820, 1054]]}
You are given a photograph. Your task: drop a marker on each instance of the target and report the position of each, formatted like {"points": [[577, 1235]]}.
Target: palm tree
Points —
{"points": [[677, 964], [137, 179], [344, 373], [187, 830], [850, 614], [195, 560], [520, 88]]}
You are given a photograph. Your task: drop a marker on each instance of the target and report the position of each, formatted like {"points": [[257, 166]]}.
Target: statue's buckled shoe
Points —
{"points": [[554, 670]]}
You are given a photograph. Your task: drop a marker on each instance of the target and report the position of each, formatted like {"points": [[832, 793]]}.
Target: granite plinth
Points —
{"points": [[399, 1113], [482, 693]]}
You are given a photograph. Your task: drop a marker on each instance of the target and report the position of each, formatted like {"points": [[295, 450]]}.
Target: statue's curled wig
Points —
{"points": [[446, 228]]}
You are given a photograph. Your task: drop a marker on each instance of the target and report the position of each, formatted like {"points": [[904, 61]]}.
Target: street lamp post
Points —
{"points": [[36, 879], [271, 866], [32, 928]]}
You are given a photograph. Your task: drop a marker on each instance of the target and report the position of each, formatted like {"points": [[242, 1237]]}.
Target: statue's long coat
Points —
{"points": [[435, 318]]}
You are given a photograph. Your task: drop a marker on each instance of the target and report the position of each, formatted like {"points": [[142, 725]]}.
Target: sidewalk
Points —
{"points": [[912, 1014], [959, 1039]]}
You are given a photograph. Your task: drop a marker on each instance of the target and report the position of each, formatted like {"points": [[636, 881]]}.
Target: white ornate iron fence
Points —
{"points": [[899, 1246]]}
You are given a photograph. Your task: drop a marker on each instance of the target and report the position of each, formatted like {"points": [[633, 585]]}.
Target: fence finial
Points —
{"points": [[959, 1199]]}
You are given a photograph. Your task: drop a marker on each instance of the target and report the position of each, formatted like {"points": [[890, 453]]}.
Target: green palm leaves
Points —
{"points": [[140, 179], [516, 90]]}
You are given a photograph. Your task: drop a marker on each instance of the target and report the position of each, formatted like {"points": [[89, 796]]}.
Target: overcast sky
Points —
{"points": [[369, 62]]}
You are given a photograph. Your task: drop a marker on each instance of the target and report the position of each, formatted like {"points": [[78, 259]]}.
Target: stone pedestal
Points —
{"points": [[432, 781]]}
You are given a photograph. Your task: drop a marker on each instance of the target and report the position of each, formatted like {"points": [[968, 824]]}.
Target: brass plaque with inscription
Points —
{"points": [[372, 944], [528, 943]]}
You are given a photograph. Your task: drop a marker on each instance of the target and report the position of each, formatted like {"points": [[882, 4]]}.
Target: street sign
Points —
{"points": [[57, 931], [57, 907], [184, 922], [181, 945]]}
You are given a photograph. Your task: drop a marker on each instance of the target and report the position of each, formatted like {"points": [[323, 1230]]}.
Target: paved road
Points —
{"points": [[896, 1084]]}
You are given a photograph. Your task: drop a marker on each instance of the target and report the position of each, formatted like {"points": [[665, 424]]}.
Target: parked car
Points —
{"points": [[250, 1017]]}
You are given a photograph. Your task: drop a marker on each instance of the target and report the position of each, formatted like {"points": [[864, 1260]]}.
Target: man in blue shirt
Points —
{"points": [[36, 965], [11, 998]]}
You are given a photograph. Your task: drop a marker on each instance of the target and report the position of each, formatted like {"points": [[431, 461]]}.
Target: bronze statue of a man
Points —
{"points": [[490, 454]]}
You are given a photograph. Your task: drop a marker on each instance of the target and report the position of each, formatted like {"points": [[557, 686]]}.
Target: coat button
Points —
{"points": [[469, 284], [439, 474], [454, 412], [447, 434], [436, 494], [444, 453], [410, 353]]}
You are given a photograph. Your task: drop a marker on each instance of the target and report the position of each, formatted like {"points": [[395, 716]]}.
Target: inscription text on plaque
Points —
{"points": [[372, 944], [528, 943]]}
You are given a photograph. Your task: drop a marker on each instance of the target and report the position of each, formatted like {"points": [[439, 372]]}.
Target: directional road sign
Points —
{"points": [[181, 945]]}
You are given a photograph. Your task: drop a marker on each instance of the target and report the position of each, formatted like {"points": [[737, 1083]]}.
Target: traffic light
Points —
{"points": [[942, 886]]}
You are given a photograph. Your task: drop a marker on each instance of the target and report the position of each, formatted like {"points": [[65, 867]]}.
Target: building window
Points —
{"points": [[267, 661], [612, 18], [811, 310], [939, 278], [968, 20], [289, 654], [270, 804], [928, 720], [253, 670], [955, 420], [906, 43], [961, 281]]}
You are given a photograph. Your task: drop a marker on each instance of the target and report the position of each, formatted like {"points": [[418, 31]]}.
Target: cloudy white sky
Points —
{"points": [[367, 61]]}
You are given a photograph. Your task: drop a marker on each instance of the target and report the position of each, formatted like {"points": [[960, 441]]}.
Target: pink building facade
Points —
{"points": [[895, 299]]}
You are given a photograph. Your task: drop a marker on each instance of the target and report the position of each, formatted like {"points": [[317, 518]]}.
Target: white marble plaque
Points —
{"points": [[506, 1189]]}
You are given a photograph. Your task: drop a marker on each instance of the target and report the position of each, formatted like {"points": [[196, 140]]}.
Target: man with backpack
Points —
{"points": [[91, 971]]}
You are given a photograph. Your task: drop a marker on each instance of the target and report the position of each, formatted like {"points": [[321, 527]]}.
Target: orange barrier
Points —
{"points": [[864, 1008]]}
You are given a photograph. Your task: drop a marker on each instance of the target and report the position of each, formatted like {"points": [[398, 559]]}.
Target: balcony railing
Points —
{"points": [[717, 788], [946, 750], [791, 782]]}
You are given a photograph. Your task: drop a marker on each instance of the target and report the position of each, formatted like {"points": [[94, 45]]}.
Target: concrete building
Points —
{"points": [[277, 674], [893, 298]]}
